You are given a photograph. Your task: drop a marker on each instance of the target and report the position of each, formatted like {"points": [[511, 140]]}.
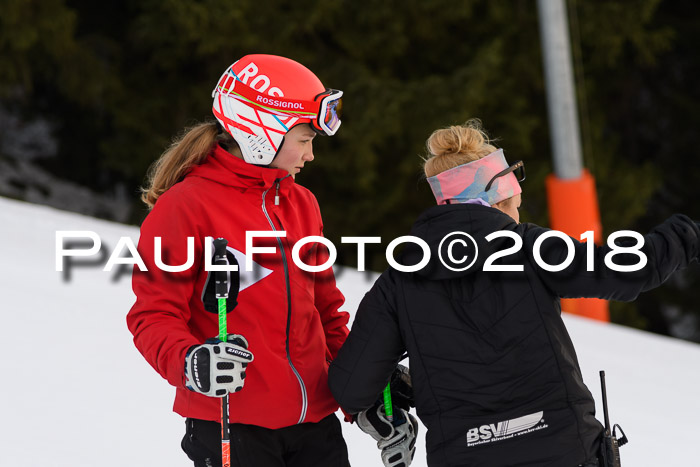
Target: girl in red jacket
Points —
{"points": [[227, 179]]}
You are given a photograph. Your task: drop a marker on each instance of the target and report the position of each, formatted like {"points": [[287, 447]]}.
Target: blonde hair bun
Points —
{"points": [[456, 145]]}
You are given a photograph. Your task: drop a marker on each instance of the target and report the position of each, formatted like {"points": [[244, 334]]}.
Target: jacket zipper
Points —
{"points": [[304, 398]]}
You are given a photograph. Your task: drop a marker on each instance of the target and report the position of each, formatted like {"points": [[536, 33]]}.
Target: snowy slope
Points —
{"points": [[75, 392]]}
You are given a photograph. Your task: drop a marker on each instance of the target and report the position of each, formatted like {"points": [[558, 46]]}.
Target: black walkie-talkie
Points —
{"points": [[610, 449]]}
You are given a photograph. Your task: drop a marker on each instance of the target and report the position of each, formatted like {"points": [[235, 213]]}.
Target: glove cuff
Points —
{"points": [[373, 422]]}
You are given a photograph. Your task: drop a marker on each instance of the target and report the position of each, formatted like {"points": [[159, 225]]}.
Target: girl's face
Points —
{"points": [[296, 150]]}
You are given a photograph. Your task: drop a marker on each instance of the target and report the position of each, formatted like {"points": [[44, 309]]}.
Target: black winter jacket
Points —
{"points": [[495, 374]]}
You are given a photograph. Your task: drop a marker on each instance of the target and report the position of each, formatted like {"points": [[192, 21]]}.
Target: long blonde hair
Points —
{"points": [[189, 149], [456, 145]]}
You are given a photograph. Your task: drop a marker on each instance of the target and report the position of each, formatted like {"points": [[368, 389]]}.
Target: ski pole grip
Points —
{"points": [[388, 406], [221, 285]]}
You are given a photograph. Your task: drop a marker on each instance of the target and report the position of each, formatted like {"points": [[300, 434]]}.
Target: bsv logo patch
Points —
{"points": [[505, 430]]}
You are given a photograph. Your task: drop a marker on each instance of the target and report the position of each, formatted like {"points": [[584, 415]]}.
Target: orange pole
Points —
{"points": [[573, 209]]}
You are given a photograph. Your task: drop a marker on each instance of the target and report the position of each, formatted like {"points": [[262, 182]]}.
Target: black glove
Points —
{"points": [[401, 388], [217, 368]]}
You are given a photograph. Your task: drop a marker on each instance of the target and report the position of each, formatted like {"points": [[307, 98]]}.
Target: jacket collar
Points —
{"points": [[227, 169]]}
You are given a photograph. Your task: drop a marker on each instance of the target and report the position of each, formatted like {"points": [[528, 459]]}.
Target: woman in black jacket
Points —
{"points": [[494, 372]]}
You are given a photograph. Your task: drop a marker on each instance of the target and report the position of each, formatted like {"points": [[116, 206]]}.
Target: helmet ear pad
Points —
{"points": [[259, 134]]}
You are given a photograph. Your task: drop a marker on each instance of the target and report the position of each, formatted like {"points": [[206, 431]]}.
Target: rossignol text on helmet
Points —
{"points": [[260, 98]]}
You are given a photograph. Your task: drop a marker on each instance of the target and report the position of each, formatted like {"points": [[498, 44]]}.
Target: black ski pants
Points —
{"points": [[306, 445]]}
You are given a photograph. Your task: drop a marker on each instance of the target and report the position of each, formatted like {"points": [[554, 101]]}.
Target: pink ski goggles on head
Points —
{"points": [[489, 178]]}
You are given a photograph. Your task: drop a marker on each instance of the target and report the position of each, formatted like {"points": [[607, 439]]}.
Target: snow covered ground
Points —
{"points": [[75, 392]]}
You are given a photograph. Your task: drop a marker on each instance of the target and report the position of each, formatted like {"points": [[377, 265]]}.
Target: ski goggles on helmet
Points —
{"points": [[330, 110], [323, 113]]}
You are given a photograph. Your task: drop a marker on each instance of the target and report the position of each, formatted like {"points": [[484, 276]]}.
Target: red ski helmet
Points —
{"points": [[260, 98]]}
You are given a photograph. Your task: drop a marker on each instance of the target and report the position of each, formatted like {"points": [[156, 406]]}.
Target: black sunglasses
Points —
{"points": [[518, 170]]}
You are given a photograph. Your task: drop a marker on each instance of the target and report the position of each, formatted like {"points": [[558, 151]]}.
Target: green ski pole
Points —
{"points": [[221, 289]]}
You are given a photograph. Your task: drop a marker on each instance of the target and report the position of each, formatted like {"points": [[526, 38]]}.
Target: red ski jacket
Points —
{"points": [[289, 317]]}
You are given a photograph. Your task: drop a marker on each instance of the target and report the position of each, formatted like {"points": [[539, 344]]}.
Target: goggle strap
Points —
{"points": [[273, 104]]}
